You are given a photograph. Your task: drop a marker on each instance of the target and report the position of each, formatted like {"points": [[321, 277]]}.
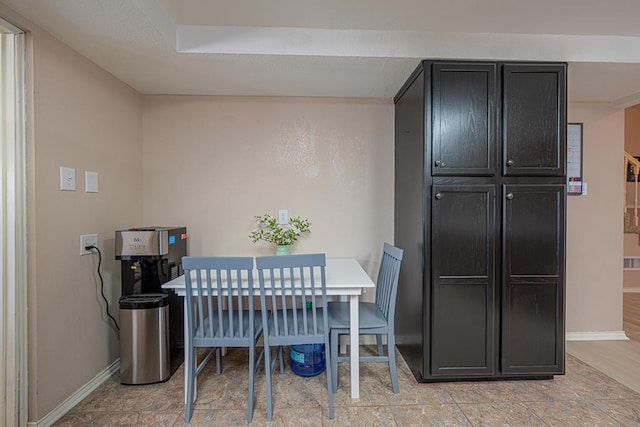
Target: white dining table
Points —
{"points": [[345, 278]]}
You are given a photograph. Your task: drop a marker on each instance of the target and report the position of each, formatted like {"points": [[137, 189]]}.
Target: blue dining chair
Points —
{"points": [[375, 318], [220, 313], [287, 284]]}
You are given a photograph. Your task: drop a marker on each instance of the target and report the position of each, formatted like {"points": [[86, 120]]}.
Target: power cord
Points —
{"points": [[88, 248]]}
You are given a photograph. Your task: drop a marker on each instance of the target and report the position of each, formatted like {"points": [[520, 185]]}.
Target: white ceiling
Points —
{"points": [[341, 48]]}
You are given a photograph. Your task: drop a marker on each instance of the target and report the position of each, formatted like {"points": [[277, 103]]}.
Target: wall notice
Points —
{"points": [[574, 158]]}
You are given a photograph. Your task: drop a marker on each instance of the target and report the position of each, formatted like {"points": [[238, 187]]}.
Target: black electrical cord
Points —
{"points": [[102, 285]]}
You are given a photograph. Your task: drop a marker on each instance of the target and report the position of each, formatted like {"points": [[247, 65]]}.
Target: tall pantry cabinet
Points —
{"points": [[480, 177]]}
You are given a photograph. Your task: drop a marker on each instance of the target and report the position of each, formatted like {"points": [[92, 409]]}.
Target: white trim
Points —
{"points": [[596, 336], [10, 27], [631, 290], [13, 228], [77, 397], [627, 101]]}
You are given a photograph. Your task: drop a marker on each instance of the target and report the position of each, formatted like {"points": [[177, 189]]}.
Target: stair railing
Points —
{"points": [[631, 164]]}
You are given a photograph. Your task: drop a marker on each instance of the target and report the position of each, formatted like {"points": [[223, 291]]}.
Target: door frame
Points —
{"points": [[13, 227]]}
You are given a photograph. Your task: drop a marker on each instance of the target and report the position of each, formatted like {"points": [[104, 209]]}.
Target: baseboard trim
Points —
{"points": [[631, 290], [76, 397], [596, 336]]}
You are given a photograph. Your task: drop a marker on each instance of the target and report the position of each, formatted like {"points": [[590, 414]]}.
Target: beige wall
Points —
{"points": [[79, 116], [595, 224], [212, 163], [331, 161]]}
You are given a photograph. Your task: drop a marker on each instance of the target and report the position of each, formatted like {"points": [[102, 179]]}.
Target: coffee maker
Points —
{"points": [[150, 257]]}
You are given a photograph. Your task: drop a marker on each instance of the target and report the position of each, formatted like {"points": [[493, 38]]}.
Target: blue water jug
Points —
{"points": [[307, 360]]}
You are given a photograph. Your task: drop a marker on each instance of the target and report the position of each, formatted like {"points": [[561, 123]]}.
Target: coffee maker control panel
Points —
{"points": [[141, 243]]}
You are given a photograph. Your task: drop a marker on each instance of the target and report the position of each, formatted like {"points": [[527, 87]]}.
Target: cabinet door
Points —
{"points": [[533, 285], [463, 109], [534, 119], [463, 280]]}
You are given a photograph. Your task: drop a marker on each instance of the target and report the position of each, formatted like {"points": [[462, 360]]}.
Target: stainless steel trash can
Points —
{"points": [[144, 338]]}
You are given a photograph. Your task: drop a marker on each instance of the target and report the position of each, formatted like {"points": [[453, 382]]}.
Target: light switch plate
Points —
{"points": [[283, 216], [67, 179], [91, 182]]}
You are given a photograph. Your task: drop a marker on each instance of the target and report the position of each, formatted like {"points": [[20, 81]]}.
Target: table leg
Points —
{"points": [[354, 338], [343, 343]]}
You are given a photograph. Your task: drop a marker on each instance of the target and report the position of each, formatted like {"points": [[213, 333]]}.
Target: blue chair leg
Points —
{"points": [[190, 375], [392, 362], [218, 362], [252, 359], [267, 370], [281, 354], [379, 344], [329, 373], [334, 343]]}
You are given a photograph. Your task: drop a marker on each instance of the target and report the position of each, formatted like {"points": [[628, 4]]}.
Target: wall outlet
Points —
{"points": [[67, 179], [88, 240]]}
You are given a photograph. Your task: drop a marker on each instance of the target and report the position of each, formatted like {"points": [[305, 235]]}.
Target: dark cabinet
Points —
{"points": [[480, 213], [463, 279], [533, 291], [464, 105], [534, 120]]}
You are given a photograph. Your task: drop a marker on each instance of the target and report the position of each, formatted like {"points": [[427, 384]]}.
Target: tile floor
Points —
{"points": [[582, 397]]}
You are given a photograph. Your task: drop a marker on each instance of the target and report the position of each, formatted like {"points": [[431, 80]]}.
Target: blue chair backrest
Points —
{"points": [[229, 278], [281, 278], [387, 282]]}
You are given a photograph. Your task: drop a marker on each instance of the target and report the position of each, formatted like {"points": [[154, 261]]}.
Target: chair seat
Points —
{"points": [[369, 315], [203, 334]]}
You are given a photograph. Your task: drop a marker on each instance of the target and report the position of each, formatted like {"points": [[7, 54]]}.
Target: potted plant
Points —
{"points": [[282, 235]]}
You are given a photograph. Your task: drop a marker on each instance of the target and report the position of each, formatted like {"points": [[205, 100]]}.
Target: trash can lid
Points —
{"points": [[141, 301]]}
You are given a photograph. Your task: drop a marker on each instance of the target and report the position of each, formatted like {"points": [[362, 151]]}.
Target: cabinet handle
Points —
{"points": [[510, 162], [439, 196], [509, 196], [440, 163]]}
